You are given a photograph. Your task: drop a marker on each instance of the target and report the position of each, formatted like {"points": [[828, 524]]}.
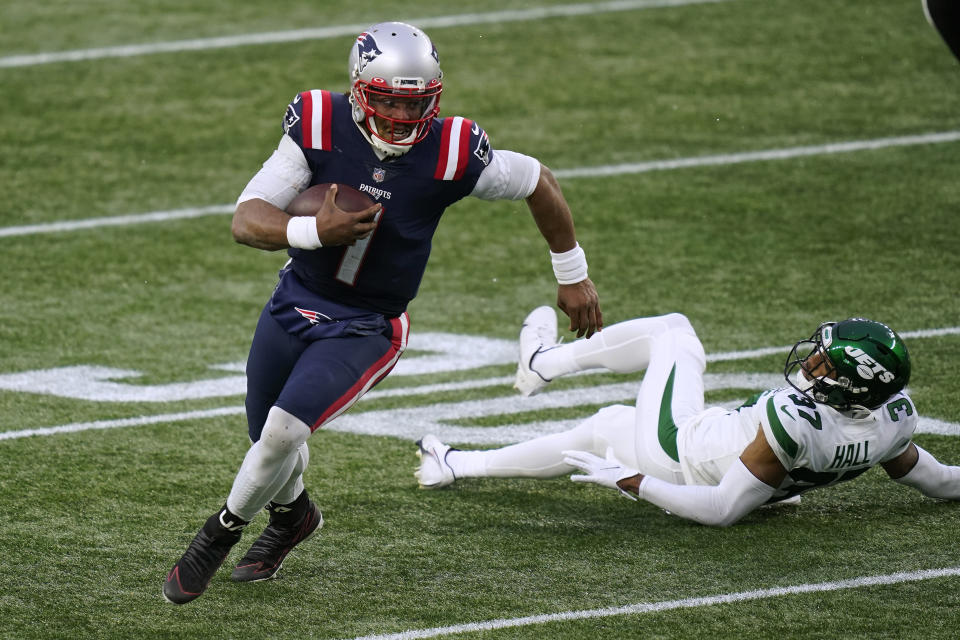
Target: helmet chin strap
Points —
{"points": [[383, 149], [852, 410]]}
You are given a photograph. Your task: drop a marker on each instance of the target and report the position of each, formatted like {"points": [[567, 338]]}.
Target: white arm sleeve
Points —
{"points": [[932, 478], [738, 493], [282, 177], [509, 176]]}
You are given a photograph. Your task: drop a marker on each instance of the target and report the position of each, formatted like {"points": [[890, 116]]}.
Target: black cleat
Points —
{"points": [[266, 555], [189, 577]]}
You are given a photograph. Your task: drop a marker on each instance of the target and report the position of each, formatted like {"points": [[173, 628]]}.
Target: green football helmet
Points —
{"points": [[859, 363]]}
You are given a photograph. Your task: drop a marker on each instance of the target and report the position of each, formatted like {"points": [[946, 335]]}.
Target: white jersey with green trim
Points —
{"points": [[817, 444]]}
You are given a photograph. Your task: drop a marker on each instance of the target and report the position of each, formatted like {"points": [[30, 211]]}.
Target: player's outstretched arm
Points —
{"points": [[749, 483], [918, 469], [576, 295]]}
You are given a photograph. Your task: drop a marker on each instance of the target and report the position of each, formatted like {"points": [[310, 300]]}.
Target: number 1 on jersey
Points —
{"points": [[353, 256]]}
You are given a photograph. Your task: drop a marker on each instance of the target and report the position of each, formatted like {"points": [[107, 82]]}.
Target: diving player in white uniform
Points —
{"points": [[843, 412]]}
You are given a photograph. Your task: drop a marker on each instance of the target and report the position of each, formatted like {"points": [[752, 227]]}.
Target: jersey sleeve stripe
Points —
{"points": [[444, 144], [306, 119], [451, 157], [317, 129], [786, 443], [463, 155]]}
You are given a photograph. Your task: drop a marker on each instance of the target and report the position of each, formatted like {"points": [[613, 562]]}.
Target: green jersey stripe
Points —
{"points": [[786, 442]]}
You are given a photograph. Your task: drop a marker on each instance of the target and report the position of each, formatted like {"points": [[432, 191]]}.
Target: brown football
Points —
{"points": [[309, 200]]}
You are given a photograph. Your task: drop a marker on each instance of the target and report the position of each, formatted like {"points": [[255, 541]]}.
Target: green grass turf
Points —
{"points": [[755, 254]]}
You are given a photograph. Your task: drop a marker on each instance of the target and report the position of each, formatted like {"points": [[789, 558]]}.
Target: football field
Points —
{"points": [[758, 165]]}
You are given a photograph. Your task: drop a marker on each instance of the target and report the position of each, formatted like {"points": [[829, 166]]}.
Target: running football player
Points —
{"points": [[843, 412], [337, 321]]}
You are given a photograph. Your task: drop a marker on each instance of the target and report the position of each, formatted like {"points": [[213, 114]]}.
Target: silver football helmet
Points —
{"points": [[396, 84]]}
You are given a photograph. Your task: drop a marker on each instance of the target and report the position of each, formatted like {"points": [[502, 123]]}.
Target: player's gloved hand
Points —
{"points": [[603, 471]]}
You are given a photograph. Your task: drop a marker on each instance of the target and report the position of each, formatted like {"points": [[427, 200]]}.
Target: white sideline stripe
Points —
{"points": [[138, 421], [583, 172], [927, 425], [116, 221], [323, 33], [683, 603], [755, 156], [769, 351]]}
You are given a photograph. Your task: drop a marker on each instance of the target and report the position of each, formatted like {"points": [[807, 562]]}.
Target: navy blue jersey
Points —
{"points": [[383, 272]]}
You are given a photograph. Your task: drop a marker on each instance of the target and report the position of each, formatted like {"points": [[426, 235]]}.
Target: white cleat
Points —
{"points": [[539, 332], [433, 472]]}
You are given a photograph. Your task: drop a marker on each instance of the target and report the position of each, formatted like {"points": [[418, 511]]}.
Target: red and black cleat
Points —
{"points": [[266, 555]]}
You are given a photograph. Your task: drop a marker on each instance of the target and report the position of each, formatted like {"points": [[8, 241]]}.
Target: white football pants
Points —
{"points": [[643, 436]]}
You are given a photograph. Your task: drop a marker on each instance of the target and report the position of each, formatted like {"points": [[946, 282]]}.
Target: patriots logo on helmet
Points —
{"points": [[315, 317], [367, 50]]}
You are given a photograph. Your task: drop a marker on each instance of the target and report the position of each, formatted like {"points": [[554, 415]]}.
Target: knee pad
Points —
{"points": [[283, 433], [678, 321]]}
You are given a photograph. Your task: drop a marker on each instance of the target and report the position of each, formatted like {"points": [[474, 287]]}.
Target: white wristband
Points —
{"points": [[570, 266], [302, 233]]}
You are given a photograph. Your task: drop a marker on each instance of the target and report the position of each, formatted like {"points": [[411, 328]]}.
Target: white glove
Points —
{"points": [[603, 471]]}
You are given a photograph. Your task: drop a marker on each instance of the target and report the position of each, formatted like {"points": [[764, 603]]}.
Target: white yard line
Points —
{"points": [[768, 351], [138, 421], [927, 425], [582, 172], [683, 603], [756, 156], [116, 221], [339, 31]]}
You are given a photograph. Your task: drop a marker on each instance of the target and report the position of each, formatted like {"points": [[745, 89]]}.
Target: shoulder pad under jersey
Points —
{"points": [[308, 119], [463, 146]]}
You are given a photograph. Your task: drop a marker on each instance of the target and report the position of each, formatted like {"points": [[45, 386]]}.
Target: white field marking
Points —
{"points": [[683, 603], [414, 422], [116, 221], [124, 422], [756, 156], [440, 418], [768, 351], [430, 353], [323, 33], [582, 172], [454, 434]]}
